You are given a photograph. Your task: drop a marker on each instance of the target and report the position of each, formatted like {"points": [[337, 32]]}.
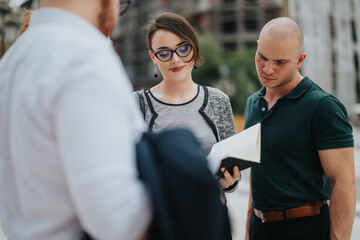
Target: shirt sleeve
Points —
{"points": [[331, 126], [96, 124]]}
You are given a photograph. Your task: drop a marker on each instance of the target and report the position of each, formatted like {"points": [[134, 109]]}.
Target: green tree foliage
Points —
{"points": [[242, 77], [210, 49]]}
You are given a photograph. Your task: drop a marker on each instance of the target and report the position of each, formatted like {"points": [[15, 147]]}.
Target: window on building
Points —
{"points": [[334, 81], [229, 27], [356, 62], [228, 15], [333, 58], [333, 71], [357, 88], [332, 27], [230, 46], [251, 44], [357, 75], [250, 21], [353, 31], [251, 25], [271, 13], [251, 2]]}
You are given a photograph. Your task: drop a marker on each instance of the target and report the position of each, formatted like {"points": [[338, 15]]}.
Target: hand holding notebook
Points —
{"points": [[242, 150]]}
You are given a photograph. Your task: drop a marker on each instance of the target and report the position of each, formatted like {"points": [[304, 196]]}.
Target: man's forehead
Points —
{"points": [[274, 57], [278, 49], [281, 29]]}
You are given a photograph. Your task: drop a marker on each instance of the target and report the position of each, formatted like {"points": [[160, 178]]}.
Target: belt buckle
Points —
{"points": [[262, 217]]}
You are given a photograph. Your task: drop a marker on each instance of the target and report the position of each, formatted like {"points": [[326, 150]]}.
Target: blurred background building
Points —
{"points": [[332, 34], [9, 24], [234, 23], [228, 30]]}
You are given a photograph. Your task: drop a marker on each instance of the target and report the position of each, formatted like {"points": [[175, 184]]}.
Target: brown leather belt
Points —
{"points": [[306, 210]]}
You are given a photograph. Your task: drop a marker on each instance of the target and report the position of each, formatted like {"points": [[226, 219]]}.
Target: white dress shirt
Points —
{"points": [[67, 132]]}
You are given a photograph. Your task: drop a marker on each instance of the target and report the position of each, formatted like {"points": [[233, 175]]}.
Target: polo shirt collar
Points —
{"points": [[262, 92], [299, 90]]}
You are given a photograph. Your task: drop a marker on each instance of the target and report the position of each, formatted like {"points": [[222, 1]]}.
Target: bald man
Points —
{"points": [[68, 128], [307, 154]]}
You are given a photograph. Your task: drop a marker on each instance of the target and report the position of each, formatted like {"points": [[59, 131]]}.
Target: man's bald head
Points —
{"points": [[283, 28]]}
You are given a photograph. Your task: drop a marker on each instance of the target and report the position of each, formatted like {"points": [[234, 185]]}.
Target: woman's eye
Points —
{"points": [[163, 53], [184, 48]]}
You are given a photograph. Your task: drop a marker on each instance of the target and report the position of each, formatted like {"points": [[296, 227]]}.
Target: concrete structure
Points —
{"points": [[331, 28], [332, 42], [241, 20], [235, 23], [9, 24], [30, 4]]}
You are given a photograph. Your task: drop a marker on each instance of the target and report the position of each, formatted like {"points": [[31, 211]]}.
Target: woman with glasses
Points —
{"points": [[177, 101]]}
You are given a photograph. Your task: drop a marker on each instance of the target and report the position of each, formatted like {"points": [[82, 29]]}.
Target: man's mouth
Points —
{"points": [[268, 78]]}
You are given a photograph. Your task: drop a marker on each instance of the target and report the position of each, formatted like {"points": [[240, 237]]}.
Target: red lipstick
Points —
{"points": [[177, 69]]}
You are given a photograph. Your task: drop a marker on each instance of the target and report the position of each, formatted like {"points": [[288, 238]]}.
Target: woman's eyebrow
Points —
{"points": [[163, 48]]}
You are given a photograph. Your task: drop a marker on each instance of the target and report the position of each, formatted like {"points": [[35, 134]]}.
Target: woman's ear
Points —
{"points": [[151, 54]]}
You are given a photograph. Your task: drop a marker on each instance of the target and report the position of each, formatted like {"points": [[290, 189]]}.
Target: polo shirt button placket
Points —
{"points": [[263, 107]]}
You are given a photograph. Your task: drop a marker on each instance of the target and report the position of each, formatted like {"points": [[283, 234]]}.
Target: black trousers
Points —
{"points": [[308, 228]]}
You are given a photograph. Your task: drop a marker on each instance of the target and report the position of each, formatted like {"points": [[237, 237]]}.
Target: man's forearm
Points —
{"points": [[342, 210]]}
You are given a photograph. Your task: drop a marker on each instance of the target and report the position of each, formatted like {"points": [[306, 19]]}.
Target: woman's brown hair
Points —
{"points": [[179, 26]]}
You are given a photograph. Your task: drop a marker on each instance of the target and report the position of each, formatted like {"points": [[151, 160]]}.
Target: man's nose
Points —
{"points": [[268, 68]]}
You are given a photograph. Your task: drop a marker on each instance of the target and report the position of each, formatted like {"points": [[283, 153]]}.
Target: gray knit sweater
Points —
{"points": [[216, 109]]}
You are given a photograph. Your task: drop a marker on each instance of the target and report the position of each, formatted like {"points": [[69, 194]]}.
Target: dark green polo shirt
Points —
{"points": [[300, 123]]}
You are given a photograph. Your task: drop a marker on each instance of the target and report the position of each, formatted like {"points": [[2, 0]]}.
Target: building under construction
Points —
{"points": [[235, 23]]}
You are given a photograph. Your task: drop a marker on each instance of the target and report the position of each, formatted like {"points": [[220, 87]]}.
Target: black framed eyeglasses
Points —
{"points": [[166, 55], [124, 6]]}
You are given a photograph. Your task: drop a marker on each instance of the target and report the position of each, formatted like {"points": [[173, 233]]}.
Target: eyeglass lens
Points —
{"points": [[166, 55]]}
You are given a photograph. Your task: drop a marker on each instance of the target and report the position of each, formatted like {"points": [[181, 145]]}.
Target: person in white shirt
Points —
{"points": [[68, 128]]}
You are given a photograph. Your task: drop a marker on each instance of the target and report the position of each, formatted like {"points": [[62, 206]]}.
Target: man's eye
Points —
{"points": [[263, 58]]}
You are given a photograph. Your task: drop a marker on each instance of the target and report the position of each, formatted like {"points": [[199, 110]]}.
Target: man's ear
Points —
{"points": [[301, 60]]}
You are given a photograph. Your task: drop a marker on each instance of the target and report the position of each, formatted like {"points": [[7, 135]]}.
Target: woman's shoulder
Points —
{"points": [[137, 92], [216, 93]]}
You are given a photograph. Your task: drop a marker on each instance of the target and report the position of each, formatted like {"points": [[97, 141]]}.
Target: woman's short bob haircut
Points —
{"points": [[179, 26]]}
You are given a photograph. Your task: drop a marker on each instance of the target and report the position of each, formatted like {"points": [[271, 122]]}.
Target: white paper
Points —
{"points": [[244, 145]]}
